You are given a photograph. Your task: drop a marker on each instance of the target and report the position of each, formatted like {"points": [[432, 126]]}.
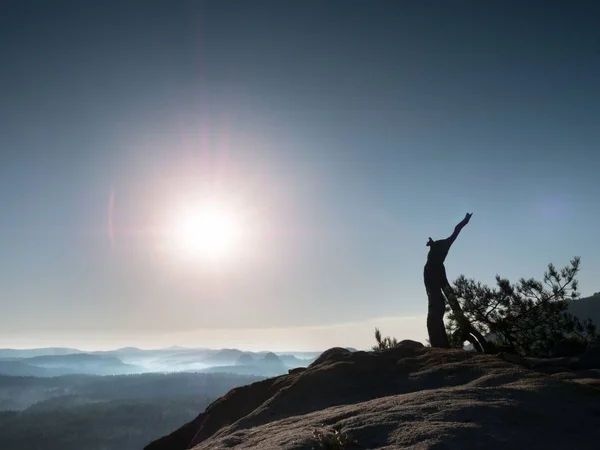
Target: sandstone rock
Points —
{"points": [[407, 343], [412, 398], [332, 354]]}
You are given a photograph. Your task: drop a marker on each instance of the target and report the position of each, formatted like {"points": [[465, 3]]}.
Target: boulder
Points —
{"points": [[407, 343]]}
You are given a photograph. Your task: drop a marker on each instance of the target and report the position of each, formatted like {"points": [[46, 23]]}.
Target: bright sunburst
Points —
{"points": [[209, 231]]}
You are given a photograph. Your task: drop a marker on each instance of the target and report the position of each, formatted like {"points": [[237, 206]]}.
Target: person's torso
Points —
{"points": [[437, 253]]}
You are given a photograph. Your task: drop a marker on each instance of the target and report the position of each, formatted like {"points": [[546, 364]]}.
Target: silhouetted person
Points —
{"points": [[436, 282]]}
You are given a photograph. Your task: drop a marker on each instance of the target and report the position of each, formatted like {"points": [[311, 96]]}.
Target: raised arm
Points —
{"points": [[459, 227]]}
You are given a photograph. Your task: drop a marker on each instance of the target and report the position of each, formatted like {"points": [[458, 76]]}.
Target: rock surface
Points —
{"points": [[410, 398]]}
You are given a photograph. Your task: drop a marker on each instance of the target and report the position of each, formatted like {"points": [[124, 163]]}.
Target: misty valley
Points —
{"points": [[62, 399]]}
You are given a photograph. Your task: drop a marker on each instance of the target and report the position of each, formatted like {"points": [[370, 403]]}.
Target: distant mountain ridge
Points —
{"points": [[64, 364], [29, 353], [132, 360], [69, 359], [587, 307], [226, 356], [18, 368]]}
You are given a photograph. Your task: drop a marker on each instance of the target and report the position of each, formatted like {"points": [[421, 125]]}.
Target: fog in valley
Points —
{"points": [[55, 394]]}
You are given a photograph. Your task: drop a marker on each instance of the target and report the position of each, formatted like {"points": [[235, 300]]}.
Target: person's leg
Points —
{"points": [[435, 319]]}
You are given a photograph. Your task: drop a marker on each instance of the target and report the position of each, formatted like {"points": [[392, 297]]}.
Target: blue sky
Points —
{"points": [[347, 133]]}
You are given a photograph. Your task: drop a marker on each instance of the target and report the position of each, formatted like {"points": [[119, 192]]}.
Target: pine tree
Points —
{"points": [[529, 317]]}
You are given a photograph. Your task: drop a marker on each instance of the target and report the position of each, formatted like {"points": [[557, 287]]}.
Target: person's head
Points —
{"points": [[429, 242]]}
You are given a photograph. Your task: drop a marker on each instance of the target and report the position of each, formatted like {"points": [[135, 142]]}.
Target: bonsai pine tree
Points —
{"points": [[529, 317]]}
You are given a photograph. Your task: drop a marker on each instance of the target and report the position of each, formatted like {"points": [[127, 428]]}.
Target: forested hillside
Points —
{"points": [[97, 413]]}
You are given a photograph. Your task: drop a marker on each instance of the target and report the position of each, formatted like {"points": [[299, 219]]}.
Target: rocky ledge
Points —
{"points": [[409, 397]]}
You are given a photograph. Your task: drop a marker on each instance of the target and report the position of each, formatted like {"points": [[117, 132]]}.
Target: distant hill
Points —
{"points": [[227, 356], [292, 361], [272, 363], [79, 358], [29, 353], [176, 348], [18, 368], [81, 363], [185, 356], [129, 349], [587, 307], [78, 412], [19, 393], [258, 368], [267, 365], [304, 355], [128, 360], [245, 359]]}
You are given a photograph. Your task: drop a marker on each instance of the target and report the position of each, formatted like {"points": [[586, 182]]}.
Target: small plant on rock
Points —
{"points": [[337, 440], [383, 343]]}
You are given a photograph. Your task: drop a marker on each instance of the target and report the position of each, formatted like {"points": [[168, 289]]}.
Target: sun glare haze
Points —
{"points": [[207, 231]]}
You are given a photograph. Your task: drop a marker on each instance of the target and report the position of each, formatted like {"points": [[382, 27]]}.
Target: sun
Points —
{"points": [[209, 231]]}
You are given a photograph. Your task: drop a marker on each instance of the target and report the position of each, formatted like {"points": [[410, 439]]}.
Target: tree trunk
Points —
{"points": [[469, 333]]}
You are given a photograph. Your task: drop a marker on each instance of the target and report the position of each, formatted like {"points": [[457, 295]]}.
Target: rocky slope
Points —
{"points": [[412, 398]]}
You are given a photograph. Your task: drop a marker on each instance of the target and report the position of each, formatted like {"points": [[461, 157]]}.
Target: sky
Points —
{"points": [[342, 134]]}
